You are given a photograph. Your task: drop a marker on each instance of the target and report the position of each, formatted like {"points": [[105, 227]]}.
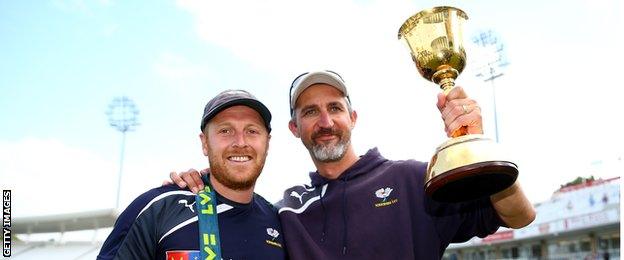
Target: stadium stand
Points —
{"points": [[578, 222]]}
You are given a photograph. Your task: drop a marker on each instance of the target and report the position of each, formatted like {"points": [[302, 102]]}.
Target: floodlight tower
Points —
{"points": [[123, 116], [495, 61]]}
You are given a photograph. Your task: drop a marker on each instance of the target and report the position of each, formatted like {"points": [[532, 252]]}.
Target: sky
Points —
{"points": [[62, 62]]}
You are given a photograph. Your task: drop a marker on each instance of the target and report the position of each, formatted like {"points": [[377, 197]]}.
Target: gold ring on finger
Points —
{"points": [[465, 109]]}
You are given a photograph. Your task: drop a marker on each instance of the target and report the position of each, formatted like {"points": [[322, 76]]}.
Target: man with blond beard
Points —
{"points": [[169, 222]]}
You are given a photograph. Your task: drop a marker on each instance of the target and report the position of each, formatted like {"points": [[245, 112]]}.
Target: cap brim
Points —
{"points": [[252, 103], [318, 77]]}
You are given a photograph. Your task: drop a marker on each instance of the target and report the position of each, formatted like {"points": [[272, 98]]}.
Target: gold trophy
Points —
{"points": [[467, 166]]}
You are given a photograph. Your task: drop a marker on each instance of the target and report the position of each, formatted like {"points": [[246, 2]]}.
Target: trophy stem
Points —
{"points": [[445, 77], [447, 85]]}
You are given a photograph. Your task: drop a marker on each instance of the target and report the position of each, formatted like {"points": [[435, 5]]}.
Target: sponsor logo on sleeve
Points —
{"points": [[183, 255], [298, 196], [185, 203]]}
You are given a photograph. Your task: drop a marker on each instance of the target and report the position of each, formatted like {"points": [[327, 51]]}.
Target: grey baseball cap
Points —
{"points": [[234, 97], [305, 80]]}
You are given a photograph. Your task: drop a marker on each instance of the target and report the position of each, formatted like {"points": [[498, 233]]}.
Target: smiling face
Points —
{"points": [[236, 142], [323, 122]]}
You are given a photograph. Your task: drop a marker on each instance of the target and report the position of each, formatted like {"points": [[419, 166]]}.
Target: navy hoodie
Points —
{"points": [[377, 209]]}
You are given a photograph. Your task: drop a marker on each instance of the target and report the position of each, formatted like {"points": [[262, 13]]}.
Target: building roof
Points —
{"points": [[585, 184], [65, 222]]}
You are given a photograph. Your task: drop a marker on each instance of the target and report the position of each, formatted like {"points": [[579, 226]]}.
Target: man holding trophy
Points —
{"points": [[369, 207]]}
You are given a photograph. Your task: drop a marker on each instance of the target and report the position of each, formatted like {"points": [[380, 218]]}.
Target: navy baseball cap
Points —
{"points": [[230, 98]]}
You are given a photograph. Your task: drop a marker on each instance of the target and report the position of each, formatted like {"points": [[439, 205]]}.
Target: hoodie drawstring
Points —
{"points": [[324, 217]]}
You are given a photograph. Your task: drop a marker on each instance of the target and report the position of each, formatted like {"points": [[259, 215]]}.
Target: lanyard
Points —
{"points": [[209, 241]]}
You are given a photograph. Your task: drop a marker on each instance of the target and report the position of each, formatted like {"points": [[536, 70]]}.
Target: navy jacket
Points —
{"points": [[162, 224], [377, 209]]}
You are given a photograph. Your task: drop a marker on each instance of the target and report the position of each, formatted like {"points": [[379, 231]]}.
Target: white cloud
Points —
{"points": [[286, 36], [179, 69]]}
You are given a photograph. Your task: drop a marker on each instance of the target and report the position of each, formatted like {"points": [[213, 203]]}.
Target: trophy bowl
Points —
{"points": [[434, 38], [467, 166]]}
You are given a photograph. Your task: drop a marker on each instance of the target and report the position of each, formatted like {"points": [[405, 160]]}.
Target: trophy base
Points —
{"points": [[468, 167], [472, 181]]}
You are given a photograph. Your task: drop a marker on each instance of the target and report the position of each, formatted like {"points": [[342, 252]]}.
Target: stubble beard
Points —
{"points": [[329, 152], [227, 175]]}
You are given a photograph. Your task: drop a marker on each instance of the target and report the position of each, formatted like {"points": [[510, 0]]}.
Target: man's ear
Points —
{"points": [[204, 142], [353, 118], [292, 125]]}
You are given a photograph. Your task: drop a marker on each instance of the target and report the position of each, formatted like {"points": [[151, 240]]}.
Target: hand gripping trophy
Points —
{"points": [[467, 166]]}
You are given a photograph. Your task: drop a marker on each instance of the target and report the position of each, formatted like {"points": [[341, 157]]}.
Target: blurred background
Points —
{"points": [[101, 99]]}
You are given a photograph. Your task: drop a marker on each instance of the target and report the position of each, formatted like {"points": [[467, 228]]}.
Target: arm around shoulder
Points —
{"points": [[513, 207]]}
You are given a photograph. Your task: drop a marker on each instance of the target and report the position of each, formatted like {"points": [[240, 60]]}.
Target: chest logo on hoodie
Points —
{"points": [[384, 195], [273, 233]]}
